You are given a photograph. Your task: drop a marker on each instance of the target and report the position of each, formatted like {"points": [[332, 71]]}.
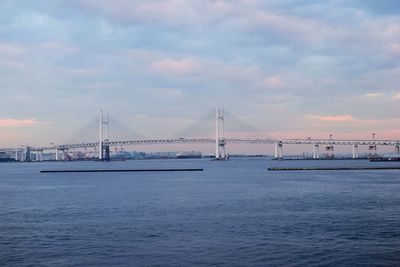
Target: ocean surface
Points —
{"points": [[234, 213]]}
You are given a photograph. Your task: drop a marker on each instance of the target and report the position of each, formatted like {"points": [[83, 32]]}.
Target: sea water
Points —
{"points": [[234, 213]]}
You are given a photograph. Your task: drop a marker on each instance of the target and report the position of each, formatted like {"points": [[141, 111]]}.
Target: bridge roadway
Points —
{"points": [[327, 142]]}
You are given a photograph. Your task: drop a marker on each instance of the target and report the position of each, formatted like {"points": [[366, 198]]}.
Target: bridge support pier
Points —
{"points": [[28, 153], [355, 151], [60, 154], [220, 153], [39, 155], [329, 152], [278, 150], [105, 152], [315, 151], [397, 148], [104, 148]]}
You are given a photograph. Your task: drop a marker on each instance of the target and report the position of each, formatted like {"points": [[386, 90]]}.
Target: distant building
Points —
{"points": [[4, 156], [161, 155], [189, 155]]}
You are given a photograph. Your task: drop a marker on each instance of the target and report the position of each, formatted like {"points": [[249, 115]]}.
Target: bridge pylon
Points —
{"points": [[220, 153]]}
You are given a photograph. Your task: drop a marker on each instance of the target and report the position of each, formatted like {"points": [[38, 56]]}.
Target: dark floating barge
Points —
{"points": [[334, 169], [124, 170], [386, 157]]}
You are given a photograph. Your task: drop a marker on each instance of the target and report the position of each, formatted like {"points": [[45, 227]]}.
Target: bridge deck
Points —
{"points": [[212, 141]]}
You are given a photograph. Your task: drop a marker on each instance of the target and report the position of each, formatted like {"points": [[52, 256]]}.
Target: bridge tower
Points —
{"points": [[219, 134], [104, 147]]}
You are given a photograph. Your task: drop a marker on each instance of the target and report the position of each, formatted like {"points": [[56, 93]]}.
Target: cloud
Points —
{"points": [[289, 57], [140, 54], [167, 12], [291, 26], [395, 48], [240, 14], [396, 96], [169, 92], [13, 64], [17, 123], [10, 56], [180, 66], [8, 50], [383, 78], [99, 85], [272, 82], [85, 71], [128, 11], [332, 118], [61, 47], [373, 95]]}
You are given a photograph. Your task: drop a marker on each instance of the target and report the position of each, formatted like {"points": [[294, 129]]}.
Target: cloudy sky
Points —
{"points": [[292, 68]]}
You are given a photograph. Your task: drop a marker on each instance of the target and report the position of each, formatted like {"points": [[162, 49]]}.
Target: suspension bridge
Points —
{"points": [[102, 134]]}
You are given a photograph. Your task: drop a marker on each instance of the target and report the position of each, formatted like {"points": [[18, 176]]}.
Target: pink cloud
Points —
{"points": [[64, 48], [396, 96], [395, 48], [272, 82], [222, 6], [10, 56], [374, 95], [16, 123], [183, 66], [284, 23], [337, 118], [392, 28], [7, 50]]}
